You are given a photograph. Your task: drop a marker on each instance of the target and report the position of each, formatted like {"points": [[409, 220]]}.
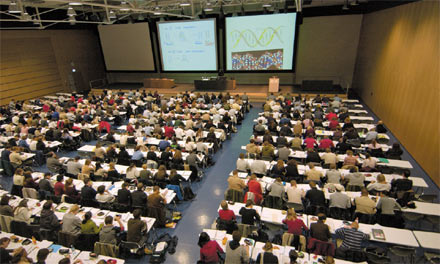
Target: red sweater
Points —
{"points": [[58, 188], [310, 142], [294, 226], [326, 143], [226, 215], [208, 253]]}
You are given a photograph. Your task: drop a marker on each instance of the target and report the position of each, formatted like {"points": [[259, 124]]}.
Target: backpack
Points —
{"points": [[188, 194], [161, 245]]}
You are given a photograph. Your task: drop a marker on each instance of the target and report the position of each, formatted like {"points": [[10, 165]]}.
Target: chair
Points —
{"points": [[297, 241], [339, 213], [128, 249], [106, 249], [70, 200], [158, 214], [403, 252], [5, 223], [246, 230], [86, 242], [16, 190], [365, 218], [67, 239], [47, 234], [121, 208], [319, 247], [428, 198], [21, 229], [434, 220], [412, 218], [54, 198], [89, 203], [228, 225], [273, 202], [296, 207], [377, 259], [29, 193], [8, 169], [432, 258], [234, 195]]}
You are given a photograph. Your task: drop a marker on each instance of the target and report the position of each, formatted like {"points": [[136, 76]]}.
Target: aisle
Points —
{"points": [[203, 211]]}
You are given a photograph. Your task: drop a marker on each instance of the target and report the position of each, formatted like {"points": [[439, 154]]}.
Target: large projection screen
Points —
{"points": [[188, 45], [260, 43], [127, 47]]}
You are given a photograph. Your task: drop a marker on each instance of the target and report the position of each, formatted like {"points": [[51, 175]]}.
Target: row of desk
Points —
{"points": [[392, 235]]}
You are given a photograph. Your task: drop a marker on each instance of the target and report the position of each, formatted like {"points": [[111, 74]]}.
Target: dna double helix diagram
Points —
{"points": [[252, 40]]}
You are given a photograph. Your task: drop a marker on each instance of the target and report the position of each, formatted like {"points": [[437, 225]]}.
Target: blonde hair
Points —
{"points": [[74, 208]]}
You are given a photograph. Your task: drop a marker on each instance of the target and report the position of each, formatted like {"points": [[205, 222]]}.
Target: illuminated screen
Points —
{"points": [[259, 43], [188, 45]]}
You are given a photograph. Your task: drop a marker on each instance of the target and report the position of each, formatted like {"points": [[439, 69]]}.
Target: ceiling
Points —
{"points": [[53, 14]]}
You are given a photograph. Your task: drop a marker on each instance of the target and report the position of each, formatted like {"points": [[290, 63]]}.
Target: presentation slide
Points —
{"points": [[188, 45], [258, 43], [127, 47]]}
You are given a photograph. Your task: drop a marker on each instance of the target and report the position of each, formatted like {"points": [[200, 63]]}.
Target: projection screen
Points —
{"points": [[127, 47], [188, 45], [259, 43]]}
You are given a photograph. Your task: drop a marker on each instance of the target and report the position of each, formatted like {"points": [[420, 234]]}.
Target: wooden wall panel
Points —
{"points": [[36, 63], [28, 67], [397, 75]]}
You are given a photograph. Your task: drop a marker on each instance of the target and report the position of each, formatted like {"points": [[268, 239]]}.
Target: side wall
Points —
{"points": [[397, 76], [35, 63], [326, 50]]}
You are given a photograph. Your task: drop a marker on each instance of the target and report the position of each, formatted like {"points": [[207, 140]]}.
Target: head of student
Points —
{"points": [[203, 239]]}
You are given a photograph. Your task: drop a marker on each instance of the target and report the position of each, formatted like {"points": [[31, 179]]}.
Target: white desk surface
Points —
{"points": [[392, 235], [428, 239], [424, 208]]}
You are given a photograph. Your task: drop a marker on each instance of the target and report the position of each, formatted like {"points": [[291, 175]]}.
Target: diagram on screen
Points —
{"points": [[252, 39], [258, 60]]}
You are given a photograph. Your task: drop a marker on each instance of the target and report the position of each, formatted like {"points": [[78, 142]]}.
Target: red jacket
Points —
{"points": [[208, 253]]}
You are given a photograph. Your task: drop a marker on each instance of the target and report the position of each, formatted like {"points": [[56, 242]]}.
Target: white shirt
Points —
{"points": [[123, 140], [242, 165], [294, 195]]}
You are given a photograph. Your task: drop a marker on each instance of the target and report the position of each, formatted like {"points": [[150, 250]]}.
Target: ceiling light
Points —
{"points": [[354, 3], [13, 8], [157, 11], [208, 7], [26, 16], [125, 6], [185, 4], [71, 12], [111, 15], [36, 22], [75, 3], [267, 4]]}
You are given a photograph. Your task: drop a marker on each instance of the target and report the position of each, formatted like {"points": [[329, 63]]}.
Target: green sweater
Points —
{"points": [[90, 228]]}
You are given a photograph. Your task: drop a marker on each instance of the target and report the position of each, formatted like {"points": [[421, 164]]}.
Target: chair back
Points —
{"points": [[67, 239], [322, 248], [246, 230], [30, 193], [21, 229], [234, 195], [106, 249], [5, 223], [8, 169]]}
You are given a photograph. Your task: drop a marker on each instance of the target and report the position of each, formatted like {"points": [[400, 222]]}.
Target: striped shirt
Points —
{"points": [[352, 238]]}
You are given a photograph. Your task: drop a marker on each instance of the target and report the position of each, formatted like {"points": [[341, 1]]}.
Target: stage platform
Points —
{"points": [[256, 93]]}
